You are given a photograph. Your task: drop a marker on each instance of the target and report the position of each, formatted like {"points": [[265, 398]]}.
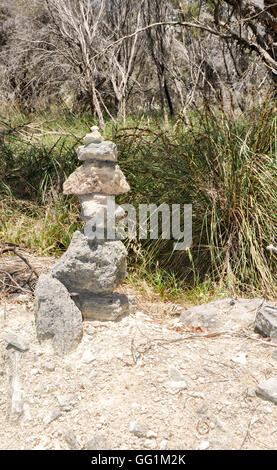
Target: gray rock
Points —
{"points": [[106, 307], [52, 415], [221, 313], [267, 390], [102, 151], [56, 315], [16, 340], [16, 391], [90, 265], [266, 321], [72, 440], [98, 442]]}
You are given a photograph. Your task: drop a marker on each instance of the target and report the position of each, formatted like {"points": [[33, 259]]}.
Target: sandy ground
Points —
{"points": [[144, 382]]}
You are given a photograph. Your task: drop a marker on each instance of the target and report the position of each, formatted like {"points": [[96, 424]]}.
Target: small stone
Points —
{"points": [[50, 366], [175, 387], [52, 415], [138, 429], [98, 442], [240, 358], [91, 330], [163, 444], [94, 136], [267, 390], [175, 374], [72, 440], [16, 341], [221, 424], [204, 445], [88, 357], [66, 402], [149, 444]]}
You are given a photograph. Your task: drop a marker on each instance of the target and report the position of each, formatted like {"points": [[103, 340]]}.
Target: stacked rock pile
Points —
{"points": [[82, 281]]}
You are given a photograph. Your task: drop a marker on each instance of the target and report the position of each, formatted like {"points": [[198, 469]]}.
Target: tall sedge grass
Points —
{"points": [[227, 169]]}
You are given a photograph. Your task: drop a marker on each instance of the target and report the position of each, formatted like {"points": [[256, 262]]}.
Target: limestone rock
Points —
{"points": [[16, 391], [266, 321], [95, 205], [98, 442], [56, 315], [94, 136], [72, 440], [16, 340], [107, 307], [105, 151], [268, 390], [89, 265], [55, 413], [96, 177]]}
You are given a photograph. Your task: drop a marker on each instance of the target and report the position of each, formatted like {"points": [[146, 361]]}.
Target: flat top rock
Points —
{"points": [[226, 313]]}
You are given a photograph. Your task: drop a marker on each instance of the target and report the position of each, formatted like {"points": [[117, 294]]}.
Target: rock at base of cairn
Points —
{"points": [[91, 265], [56, 315], [105, 307]]}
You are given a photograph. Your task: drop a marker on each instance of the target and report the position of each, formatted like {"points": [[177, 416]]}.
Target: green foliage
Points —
{"points": [[225, 167]]}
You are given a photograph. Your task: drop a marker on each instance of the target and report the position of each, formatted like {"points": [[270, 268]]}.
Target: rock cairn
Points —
{"points": [[82, 281]]}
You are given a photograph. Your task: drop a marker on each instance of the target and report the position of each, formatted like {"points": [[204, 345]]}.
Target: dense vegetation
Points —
{"points": [[187, 90]]}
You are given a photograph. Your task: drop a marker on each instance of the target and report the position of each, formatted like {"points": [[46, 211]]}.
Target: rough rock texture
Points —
{"points": [[93, 205], [96, 178], [89, 265], [105, 151], [266, 321], [221, 313], [56, 315], [268, 390], [107, 307]]}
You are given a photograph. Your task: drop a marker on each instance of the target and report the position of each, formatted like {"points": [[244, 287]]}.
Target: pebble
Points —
{"points": [[163, 444], [72, 440], [88, 357], [16, 340], [50, 366], [138, 429], [149, 444], [175, 387], [52, 415], [66, 402], [175, 374], [240, 358], [204, 445], [98, 442], [91, 330]]}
